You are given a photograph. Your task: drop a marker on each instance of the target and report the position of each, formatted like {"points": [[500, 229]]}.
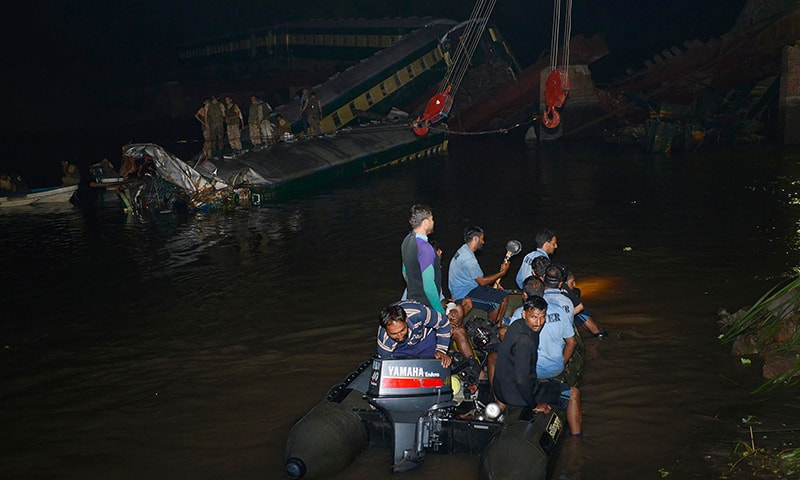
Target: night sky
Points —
{"points": [[63, 56]]}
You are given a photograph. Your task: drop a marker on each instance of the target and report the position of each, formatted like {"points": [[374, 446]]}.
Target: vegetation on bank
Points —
{"points": [[751, 461], [770, 329]]}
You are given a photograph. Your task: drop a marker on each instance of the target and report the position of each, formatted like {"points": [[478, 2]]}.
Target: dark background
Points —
{"points": [[70, 65], [65, 57]]}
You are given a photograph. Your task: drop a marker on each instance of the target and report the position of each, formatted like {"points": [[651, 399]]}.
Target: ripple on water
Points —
{"points": [[178, 348]]}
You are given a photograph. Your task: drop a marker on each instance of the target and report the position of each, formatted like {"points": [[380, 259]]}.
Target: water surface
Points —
{"points": [[187, 347]]}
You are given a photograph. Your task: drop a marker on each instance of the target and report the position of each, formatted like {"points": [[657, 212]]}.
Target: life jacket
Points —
{"points": [[214, 114], [232, 114], [255, 113]]}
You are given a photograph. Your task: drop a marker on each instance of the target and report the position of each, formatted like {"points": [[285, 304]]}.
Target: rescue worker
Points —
{"points": [[303, 112], [267, 128], [72, 176], [7, 186], [255, 116], [283, 126], [235, 123], [200, 115], [215, 115], [410, 329], [314, 112]]}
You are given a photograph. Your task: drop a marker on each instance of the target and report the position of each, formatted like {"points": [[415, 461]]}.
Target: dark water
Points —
{"points": [[186, 348]]}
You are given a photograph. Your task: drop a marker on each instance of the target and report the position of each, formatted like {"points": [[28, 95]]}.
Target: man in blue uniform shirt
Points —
{"points": [[546, 245], [557, 338], [533, 287], [466, 278]]}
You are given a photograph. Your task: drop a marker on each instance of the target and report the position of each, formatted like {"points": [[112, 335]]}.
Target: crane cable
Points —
{"points": [[439, 105], [557, 84], [554, 34], [468, 43], [567, 36], [556, 44]]}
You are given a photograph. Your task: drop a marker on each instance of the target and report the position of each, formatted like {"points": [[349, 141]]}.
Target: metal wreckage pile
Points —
{"points": [[153, 180]]}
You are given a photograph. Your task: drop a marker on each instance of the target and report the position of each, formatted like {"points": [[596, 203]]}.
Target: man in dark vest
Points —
{"points": [[235, 123], [215, 114], [255, 116]]}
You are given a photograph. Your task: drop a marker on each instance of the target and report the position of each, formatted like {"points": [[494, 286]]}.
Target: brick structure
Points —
{"points": [[789, 123]]}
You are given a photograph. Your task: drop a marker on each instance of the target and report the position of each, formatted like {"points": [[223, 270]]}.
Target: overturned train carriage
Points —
{"points": [[306, 162], [155, 181], [402, 75]]}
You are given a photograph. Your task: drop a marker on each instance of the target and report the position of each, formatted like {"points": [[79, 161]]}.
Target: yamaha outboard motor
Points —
{"points": [[411, 392]]}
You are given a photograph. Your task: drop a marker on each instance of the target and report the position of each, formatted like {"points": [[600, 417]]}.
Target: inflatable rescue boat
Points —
{"points": [[416, 407]]}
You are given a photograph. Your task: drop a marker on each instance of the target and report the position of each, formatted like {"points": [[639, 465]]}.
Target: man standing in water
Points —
{"points": [[515, 381], [546, 245], [421, 265]]}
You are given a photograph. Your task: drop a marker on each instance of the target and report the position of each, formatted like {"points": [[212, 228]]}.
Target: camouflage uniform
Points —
{"points": [[254, 118], [233, 118], [201, 117], [214, 117], [314, 116]]}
